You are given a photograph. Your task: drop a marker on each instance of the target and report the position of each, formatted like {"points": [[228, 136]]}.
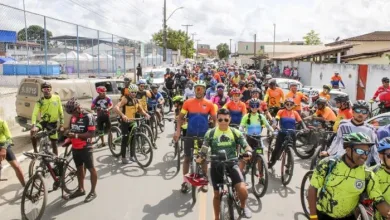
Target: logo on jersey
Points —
{"points": [[359, 184]]}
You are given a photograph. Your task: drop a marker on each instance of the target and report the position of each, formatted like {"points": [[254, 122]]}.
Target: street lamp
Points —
{"points": [[165, 29]]}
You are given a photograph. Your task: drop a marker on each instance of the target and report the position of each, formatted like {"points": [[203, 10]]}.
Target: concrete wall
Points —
{"points": [[367, 46], [304, 70], [372, 60], [375, 74]]}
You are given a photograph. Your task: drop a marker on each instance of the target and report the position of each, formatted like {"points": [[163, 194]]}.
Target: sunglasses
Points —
{"points": [[289, 104], [46, 89], [386, 81], [220, 88], [223, 119], [361, 111], [142, 86], [250, 86], [133, 92], [361, 152], [255, 106]]}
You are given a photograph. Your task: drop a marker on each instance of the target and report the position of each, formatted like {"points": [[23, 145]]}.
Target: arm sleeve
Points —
{"points": [[184, 109], [241, 139], [376, 93], [337, 143], [109, 102], [297, 116], [243, 121], [244, 109], [35, 113], [265, 122], [60, 111], [266, 96], [213, 111]]}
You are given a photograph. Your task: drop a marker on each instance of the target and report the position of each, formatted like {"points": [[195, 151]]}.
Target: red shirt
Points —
{"points": [[79, 125], [380, 90]]}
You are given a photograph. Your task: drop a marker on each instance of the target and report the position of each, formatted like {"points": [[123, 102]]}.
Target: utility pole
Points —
{"points": [[197, 48], [230, 47], [186, 25], [273, 53], [254, 51], [165, 28], [193, 35]]}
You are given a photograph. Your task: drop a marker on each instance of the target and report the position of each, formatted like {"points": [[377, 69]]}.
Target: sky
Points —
{"points": [[214, 21]]}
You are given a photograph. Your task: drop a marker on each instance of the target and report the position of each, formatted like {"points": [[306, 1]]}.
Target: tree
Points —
{"points": [[35, 33], [312, 38], [126, 42], [175, 40], [223, 51]]}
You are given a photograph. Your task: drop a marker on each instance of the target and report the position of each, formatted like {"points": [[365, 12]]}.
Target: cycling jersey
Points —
{"points": [[384, 183], [169, 82], [224, 140], [297, 97], [341, 115], [189, 93], [274, 97], [288, 119], [235, 80], [103, 103], [343, 187], [130, 108], [383, 132], [237, 110], [210, 92], [49, 109], [325, 95], [197, 112], [327, 114], [80, 125], [347, 127], [5, 134], [380, 90], [220, 100], [335, 81], [142, 97], [256, 123], [153, 101], [217, 77]]}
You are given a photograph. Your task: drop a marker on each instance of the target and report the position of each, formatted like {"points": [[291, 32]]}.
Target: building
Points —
{"points": [[203, 46], [19, 50]]}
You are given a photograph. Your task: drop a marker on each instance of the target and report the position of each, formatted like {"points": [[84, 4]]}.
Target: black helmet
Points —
{"points": [[360, 104], [254, 90], [385, 79], [154, 86], [272, 82], [71, 105], [342, 98], [322, 100], [45, 85]]}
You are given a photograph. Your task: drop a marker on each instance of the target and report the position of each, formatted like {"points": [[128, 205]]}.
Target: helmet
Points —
{"points": [[154, 86], [342, 98], [183, 78], [272, 82], [289, 100], [235, 91], [167, 69], [384, 144], [293, 84], [254, 102], [385, 79], [268, 76], [200, 83], [133, 88], [255, 90], [327, 87], [314, 93], [250, 82], [141, 81], [45, 85], [178, 98], [213, 83], [219, 85], [322, 100], [242, 73], [352, 139], [242, 83], [360, 104], [71, 105], [101, 89]]}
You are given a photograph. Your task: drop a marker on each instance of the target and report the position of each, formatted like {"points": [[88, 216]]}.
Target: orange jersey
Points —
{"points": [[298, 97], [327, 114], [324, 95], [288, 119], [237, 110], [198, 112], [274, 97], [341, 115], [217, 77]]}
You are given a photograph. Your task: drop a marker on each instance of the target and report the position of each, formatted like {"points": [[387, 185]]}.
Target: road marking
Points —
{"points": [[202, 197]]}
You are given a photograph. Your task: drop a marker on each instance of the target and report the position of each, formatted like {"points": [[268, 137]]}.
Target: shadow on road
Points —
{"points": [[275, 186], [304, 163], [16, 189], [176, 203], [254, 204], [59, 206], [300, 216]]}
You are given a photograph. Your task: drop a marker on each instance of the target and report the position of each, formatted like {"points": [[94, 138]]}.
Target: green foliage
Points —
{"points": [[312, 38], [176, 39], [35, 33], [223, 51]]}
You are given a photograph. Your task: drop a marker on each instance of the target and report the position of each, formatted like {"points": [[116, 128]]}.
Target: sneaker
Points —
{"points": [[246, 212], [126, 161], [132, 159], [205, 188], [185, 187], [76, 194], [91, 196]]}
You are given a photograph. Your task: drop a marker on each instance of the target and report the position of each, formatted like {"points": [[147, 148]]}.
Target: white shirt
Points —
{"points": [[189, 93]]}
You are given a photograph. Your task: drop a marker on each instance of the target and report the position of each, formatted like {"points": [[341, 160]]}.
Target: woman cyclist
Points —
{"points": [[220, 99]]}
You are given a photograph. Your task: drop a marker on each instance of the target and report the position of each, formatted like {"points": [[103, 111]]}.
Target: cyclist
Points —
{"points": [[383, 92], [102, 104], [212, 91], [150, 78], [155, 101], [142, 94], [235, 79], [356, 124], [125, 90], [197, 110], [383, 132], [170, 84], [50, 109], [325, 92], [220, 99], [7, 153], [255, 94], [383, 171], [285, 119], [242, 76], [338, 182], [236, 107], [345, 111], [323, 113], [336, 80], [189, 92], [178, 103], [82, 129], [229, 139], [274, 96], [298, 97], [126, 109], [246, 94]]}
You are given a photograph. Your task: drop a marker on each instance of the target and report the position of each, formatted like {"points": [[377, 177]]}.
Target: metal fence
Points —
{"points": [[55, 47]]}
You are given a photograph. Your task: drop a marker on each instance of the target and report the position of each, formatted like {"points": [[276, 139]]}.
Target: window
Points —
{"points": [[11, 47], [246, 47], [29, 89], [120, 85], [380, 121], [108, 86], [18, 47]]}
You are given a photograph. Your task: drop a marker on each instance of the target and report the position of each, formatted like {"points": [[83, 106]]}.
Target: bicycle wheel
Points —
{"points": [[177, 155], [316, 157], [304, 192], [34, 192], [115, 142], [287, 167], [271, 146], [306, 150], [259, 177], [226, 208], [32, 168], [148, 131], [161, 123], [143, 149], [361, 213], [153, 126], [68, 178], [194, 170]]}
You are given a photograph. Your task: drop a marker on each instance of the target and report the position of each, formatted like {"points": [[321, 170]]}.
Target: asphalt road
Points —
{"points": [[129, 192]]}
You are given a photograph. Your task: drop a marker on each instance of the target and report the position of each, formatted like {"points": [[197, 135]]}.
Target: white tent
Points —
{"points": [[105, 56], [85, 56], [59, 57]]}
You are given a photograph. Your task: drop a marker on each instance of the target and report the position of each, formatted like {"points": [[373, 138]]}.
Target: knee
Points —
{"points": [[186, 159], [216, 196]]}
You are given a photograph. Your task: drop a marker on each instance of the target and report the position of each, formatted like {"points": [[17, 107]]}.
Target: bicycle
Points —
{"points": [[36, 188], [287, 157], [138, 140], [379, 110], [168, 104], [259, 168]]}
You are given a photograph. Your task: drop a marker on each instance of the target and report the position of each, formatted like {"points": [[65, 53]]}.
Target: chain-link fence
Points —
{"points": [[36, 45]]}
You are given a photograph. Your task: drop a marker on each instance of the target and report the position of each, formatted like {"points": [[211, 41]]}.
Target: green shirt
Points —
{"points": [[256, 123], [5, 134], [343, 187], [50, 110], [224, 140], [384, 185]]}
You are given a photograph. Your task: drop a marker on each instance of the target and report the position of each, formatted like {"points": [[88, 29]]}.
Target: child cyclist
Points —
{"points": [[178, 104]]}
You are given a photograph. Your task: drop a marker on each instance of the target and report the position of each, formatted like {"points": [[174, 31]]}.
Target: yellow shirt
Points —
{"points": [[5, 134]]}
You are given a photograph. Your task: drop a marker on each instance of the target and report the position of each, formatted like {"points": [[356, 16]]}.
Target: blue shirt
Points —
{"points": [[383, 132], [152, 102]]}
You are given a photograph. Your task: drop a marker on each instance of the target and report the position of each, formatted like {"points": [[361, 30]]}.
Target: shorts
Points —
{"points": [[189, 146], [103, 123], [9, 155], [216, 174], [48, 126], [83, 157], [254, 143]]}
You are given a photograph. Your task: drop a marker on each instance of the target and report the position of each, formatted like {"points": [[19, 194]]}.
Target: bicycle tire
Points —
{"points": [[26, 192], [226, 207], [72, 175], [31, 170], [149, 134], [114, 145], [153, 126], [136, 140], [316, 157], [194, 169], [304, 191], [161, 123], [361, 213], [309, 153], [271, 146], [254, 177], [177, 154], [290, 163]]}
